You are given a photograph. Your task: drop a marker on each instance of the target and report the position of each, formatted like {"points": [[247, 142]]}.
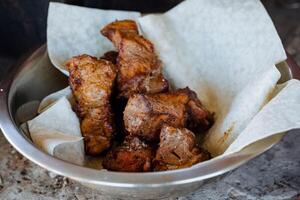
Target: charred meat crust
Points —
{"points": [[133, 155]]}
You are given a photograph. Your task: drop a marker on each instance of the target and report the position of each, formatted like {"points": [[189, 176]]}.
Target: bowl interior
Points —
{"points": [[37, 78]]}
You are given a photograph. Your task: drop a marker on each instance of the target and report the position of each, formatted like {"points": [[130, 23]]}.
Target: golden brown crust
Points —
{"points": [[91, 81], [133, 155], [140, 69], [177, 149], [144, 115]]}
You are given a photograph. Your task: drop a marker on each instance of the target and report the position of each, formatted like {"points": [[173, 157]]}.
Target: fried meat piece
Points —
{"points": [[91, 81], [139, 68], [145, 115], [133, 155], [177, 149]]}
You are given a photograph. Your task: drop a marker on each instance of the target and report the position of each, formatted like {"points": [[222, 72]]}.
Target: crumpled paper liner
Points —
{"points": [[57, 132]]}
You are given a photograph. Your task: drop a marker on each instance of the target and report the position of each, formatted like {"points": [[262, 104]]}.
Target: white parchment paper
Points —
{"points": [[57, 132], [225, 50]]}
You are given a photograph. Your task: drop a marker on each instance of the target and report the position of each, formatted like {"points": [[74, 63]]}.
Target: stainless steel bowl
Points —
{"points": [[36, 77]]}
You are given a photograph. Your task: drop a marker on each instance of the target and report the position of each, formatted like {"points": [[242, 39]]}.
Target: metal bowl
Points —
{"points": [[35, 78]]}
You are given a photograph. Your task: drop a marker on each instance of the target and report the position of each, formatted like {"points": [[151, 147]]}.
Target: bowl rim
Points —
{"points": [[196, 173]]}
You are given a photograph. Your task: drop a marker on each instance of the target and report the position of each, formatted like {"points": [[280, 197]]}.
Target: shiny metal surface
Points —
{"points": [[36, 77]]}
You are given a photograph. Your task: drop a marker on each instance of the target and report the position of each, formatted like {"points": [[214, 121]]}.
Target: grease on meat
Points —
{"points": [[139, 68], [91, 81], [177, 149]]}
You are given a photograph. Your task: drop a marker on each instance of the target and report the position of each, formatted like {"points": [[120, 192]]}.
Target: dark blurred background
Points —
{"points": [[23, 22]]}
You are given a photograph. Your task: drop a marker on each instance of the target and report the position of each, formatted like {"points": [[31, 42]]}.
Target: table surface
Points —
{"points": [[273, 175]]}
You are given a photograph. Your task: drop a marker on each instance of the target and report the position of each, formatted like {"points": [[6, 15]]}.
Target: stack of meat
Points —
{"points": [[155, 125]]}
